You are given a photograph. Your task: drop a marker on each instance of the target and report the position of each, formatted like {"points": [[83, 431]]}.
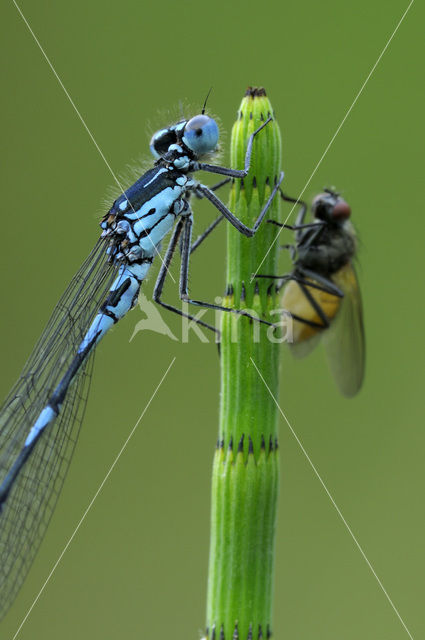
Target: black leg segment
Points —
{"points": [[234, 220]]}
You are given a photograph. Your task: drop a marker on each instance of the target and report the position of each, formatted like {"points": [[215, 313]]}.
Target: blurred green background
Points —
{"points": [[137, 567]]}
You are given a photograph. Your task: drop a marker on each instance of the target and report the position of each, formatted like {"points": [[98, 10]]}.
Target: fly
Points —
{"points": [[322, 292]]}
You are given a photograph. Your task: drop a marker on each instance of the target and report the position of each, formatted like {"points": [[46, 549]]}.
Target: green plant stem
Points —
{"points": [[245, 469]]}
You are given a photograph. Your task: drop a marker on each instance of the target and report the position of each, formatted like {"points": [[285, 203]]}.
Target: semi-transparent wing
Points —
{"points": [[28, 508], [345, 340], [303, 349]]}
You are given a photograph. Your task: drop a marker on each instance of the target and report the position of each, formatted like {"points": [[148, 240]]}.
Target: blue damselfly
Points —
{"points": [[42, 414]]}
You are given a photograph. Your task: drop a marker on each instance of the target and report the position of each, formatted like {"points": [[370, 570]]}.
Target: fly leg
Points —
{"points": [[316, 306], [327, 284], [300, 224], [302, 277], [302, 234]]}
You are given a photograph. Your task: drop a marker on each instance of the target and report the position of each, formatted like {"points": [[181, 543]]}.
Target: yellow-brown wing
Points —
{"points": [[344, 341], [305, 337]]}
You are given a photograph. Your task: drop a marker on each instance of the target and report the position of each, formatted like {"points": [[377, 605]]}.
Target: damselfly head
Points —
{"points": [[330, 207], [200, 134]]}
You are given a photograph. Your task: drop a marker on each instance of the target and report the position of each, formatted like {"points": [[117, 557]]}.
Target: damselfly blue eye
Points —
{"points": [[201, 134]]}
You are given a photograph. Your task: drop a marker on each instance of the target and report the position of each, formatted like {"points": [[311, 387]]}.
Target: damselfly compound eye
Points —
{"points": [[201, 134]]}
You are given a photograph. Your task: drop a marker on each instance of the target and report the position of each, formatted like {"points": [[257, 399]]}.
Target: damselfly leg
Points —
{"points": [[200, 239], [234, 220], [213, 224], [159, 284], [184, 230]]}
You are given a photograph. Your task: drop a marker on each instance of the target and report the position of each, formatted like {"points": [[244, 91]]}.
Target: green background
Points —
{"points": [[137, 568]]}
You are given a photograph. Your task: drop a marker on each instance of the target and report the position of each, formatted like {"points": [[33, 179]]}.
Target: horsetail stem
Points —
{"points": [[245, 469]]}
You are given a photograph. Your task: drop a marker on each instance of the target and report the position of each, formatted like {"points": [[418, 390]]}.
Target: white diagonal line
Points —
{"points": [[335, 134], [347, 526], [74, 106], [93, 499]]}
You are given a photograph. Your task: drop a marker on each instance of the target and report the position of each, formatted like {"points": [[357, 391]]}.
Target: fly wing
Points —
{"points": [[302, 349], [298, 301], [345, 340], [27, 510]]}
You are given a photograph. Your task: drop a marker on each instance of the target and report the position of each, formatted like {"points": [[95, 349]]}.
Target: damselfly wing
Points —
{"points": [[27, 511]]}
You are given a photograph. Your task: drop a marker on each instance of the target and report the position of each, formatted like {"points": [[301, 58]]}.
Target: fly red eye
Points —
{"points": [[341, 210]]}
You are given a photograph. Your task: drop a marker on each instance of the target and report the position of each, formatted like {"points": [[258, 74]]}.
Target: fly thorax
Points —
{"points": [[334, 248]]}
